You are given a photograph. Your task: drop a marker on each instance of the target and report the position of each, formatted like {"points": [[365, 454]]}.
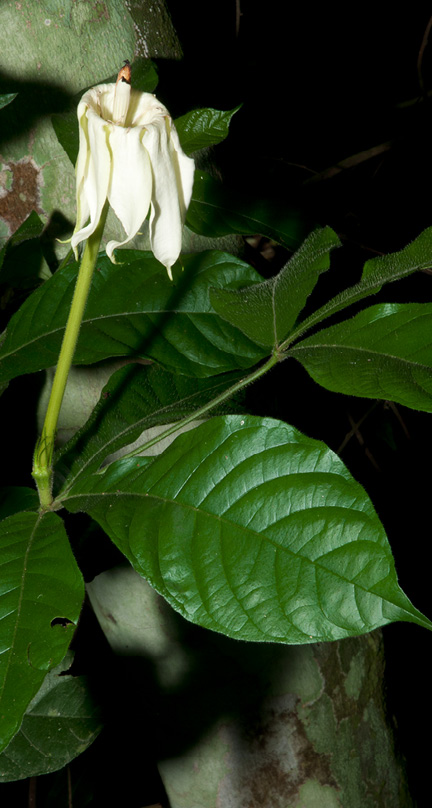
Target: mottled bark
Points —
{"points": [[239, 725]]}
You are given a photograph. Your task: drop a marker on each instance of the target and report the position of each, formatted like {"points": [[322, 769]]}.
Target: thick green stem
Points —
{"points": [[42, 459]]}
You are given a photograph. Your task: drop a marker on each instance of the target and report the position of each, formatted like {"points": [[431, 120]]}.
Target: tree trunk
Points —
{"points": [[239, 725]]}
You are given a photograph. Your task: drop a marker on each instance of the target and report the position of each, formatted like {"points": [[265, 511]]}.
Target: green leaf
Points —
{"points": [[144, 78], [14, 499], [134, 400], [203, 127], [6, 99], [383, 352], [376, 273], [41, 592], [218, 211], [22, 263], [135, 310], [249, 528], [266, 312], [65, 125], [60, 723]]}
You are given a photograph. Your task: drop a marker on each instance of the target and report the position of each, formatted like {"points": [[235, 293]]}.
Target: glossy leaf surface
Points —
{"points": [[249, 528], [266, 312], [203, 127], [60, 723], [41, 592], [383, 352], [135, 310]]}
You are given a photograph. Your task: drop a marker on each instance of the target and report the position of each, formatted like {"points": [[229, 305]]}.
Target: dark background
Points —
{"points": [[319, 85]]}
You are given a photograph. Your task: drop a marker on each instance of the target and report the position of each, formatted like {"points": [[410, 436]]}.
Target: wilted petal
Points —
{"points": [[81, 169], [167, 206], [96, 176], [185, 171], [130, 188]]}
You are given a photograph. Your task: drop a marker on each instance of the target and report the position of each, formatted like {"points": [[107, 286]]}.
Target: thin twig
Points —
{"points": [[237, 26], [69, 786], [422, 49], [362, 443], [349, 162], [32, 792], [353, 431]]}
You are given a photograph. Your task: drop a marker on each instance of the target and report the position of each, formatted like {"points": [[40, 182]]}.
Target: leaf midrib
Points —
{"points": [[262, 536]]}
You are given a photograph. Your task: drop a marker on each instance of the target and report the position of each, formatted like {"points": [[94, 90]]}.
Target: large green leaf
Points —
{"points": [[41, 592], [203, 127], [266, 312], [249, 528], [376, 273], [135, 399], [60, 723], [383, 352], [217, 211], [135, 310]]}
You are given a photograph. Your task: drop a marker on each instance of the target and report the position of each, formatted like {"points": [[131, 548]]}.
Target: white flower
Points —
{"points": [[130, 154]]}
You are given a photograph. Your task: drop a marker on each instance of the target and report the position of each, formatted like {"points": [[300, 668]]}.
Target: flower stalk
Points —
{"points": [[42, 460]]}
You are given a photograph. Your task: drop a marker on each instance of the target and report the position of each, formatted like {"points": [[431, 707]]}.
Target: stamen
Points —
{"points": [[125, 73], [122, 95]]}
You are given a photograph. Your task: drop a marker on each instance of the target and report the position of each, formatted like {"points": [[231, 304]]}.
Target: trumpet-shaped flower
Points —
{"points": [[130, 154]]}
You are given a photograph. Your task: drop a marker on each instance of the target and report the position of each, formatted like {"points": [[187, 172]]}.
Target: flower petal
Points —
{"points": [[185, 171], [95, 176], [144, 108], [81, 168], [168, 207], [130, 188]]}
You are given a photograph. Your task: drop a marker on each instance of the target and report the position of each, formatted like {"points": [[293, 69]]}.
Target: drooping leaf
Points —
{"points": [[41, 592], [266, 312], [135, 399], [217, 211], [249, 528], [376, 273], [203, 127], [59, 724], [135, 310], [383, 352]]}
